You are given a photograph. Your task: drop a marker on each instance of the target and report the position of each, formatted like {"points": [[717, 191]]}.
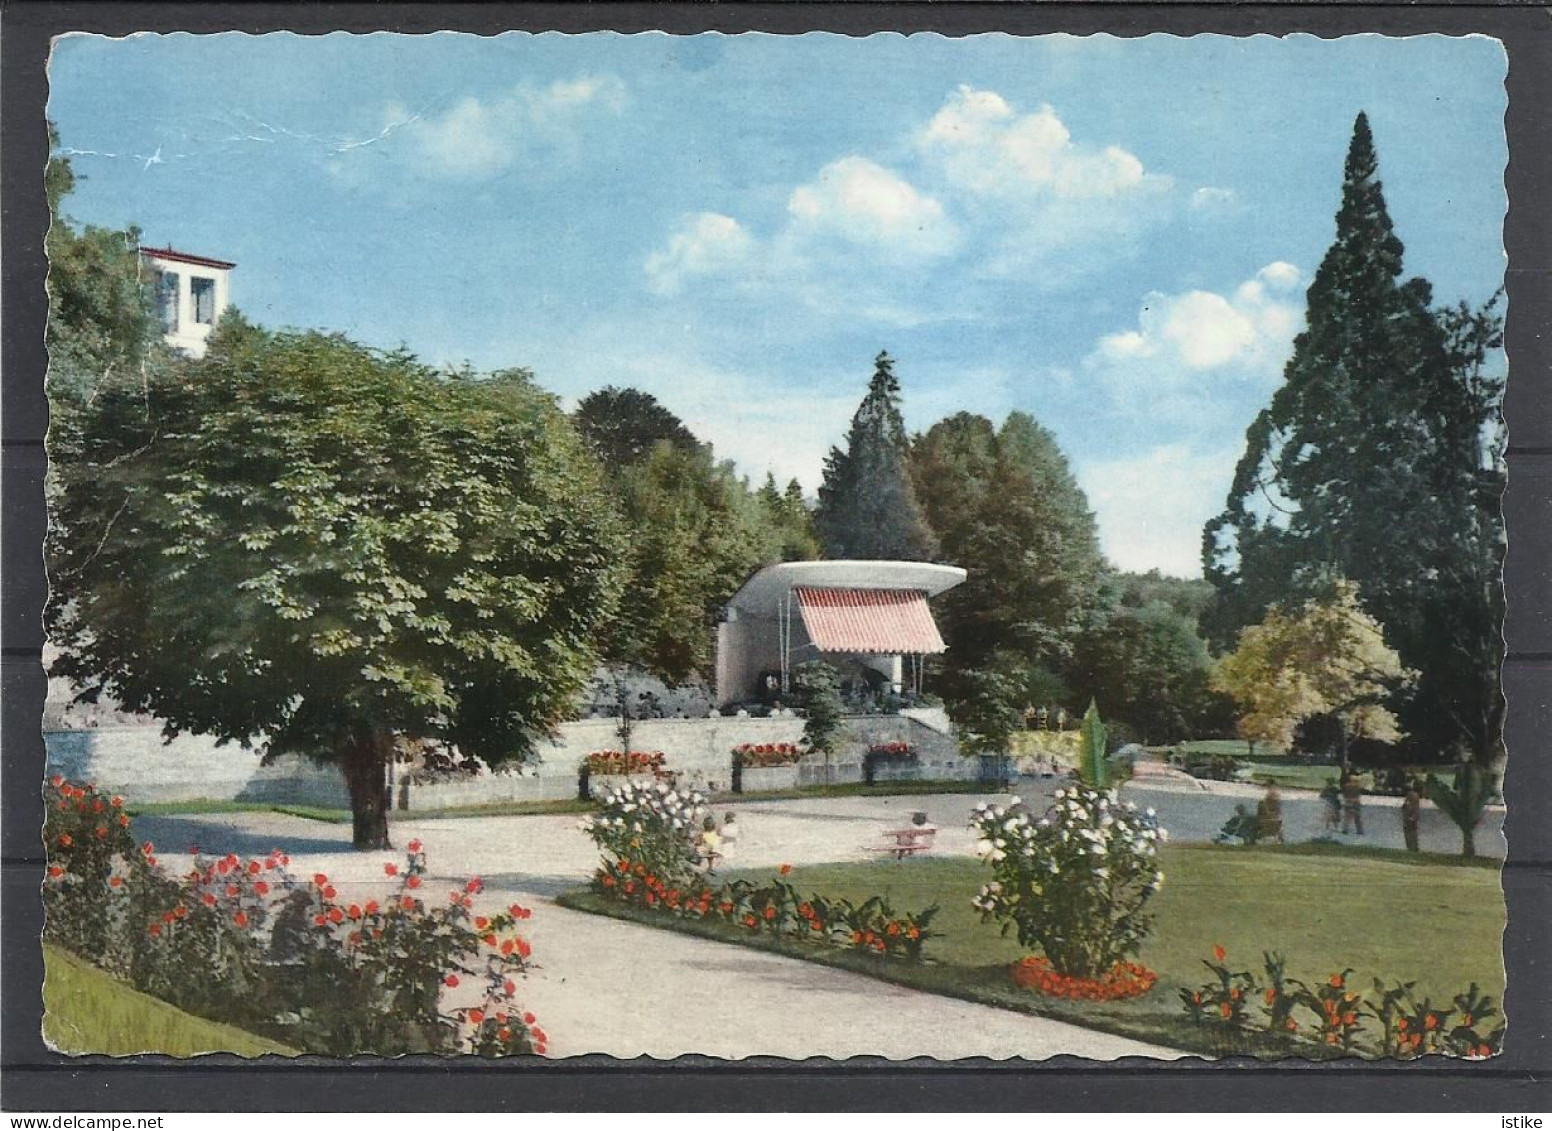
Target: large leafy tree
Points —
{"points": [[1323, 658], [1005, 506], [301, 540], [623, 425], [1377, 461], [1149, 666], [694, 534], [102, 324], [867, 506]]}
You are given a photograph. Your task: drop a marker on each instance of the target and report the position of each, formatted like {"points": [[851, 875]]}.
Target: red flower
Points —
{"points": [[1219, 953], [785, 869], [523, 948], [391, 869], [156, 930], [451, 981], [510, 986], [261, 888], [329, 892], [529, 1019], [412, 881], [55, 871], [480, 922], [320, 920], [414, 846], [408, 904], [253, 868], [241, 918], [65, 840], [335, 915], [318, 878], [371, 907], [474, 885], [354, 912]]}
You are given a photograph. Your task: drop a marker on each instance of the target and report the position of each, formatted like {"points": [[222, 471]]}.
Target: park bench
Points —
{"points": [[901, 843]]}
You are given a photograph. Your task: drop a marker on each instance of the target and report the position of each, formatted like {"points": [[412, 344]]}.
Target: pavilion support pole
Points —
{"points": [[786, 642]]}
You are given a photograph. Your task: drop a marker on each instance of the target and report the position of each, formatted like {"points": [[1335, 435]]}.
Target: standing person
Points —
{"points": [[1411, 812], [1269, 816], [1352, 803], [709, 844], [1332, 796], [729, 833]]}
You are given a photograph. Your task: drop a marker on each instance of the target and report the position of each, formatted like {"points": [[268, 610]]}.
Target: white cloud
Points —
{"points": [[707, 243], [1187, 337], [987, 148], [1151, 506], [1211, 199], [861, 202], [477, 138]]}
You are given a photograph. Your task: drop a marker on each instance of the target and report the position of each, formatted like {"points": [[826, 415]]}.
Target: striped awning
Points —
{"points": [[878, 621]]}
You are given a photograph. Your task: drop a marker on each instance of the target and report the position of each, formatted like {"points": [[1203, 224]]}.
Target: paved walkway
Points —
{"points": [[618, 988], [605, 986]]}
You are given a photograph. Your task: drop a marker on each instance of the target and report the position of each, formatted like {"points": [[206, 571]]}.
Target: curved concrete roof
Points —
{"points": [[761, 595]]}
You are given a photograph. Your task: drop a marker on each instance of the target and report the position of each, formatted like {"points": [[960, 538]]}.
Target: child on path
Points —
{"points": [[708, 844]]}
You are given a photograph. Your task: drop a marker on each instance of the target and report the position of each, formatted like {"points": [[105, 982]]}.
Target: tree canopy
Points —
{"points": [[694, 534], [867, 506], [1004, 506], [305, 541], [1378, 461], [622, 426], [1326, 657]]}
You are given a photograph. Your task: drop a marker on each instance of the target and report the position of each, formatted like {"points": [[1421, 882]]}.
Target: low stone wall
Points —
{"points": [[135, 761]]}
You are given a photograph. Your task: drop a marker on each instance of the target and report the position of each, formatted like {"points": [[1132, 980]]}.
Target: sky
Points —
{"points": [[1112, 235]]}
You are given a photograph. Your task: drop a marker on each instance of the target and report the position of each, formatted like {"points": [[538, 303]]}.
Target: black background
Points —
{"points": [[34, 1079]]}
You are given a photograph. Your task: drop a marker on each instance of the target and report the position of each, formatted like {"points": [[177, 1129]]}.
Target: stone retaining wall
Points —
{"points": [[135, 761]]}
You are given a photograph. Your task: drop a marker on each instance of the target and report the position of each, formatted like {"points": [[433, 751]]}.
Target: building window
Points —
{"points": [[204, 295], [167, 300]]}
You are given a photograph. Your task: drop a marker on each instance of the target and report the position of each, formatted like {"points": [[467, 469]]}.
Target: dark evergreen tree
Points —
{"points": [[623, 425], [1374, 462], [867, 507]]}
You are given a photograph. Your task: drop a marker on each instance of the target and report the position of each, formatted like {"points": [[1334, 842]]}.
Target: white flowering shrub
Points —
{"points": [[651, 824], [1076, 881]]}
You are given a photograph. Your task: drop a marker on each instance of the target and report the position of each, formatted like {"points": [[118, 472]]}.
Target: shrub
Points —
{"points": [[244, 941], [1076, 881], [651, 825]]}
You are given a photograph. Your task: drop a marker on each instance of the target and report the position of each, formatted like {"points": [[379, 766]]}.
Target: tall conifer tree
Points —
{"points": [[1369, 465], [867, 508]]}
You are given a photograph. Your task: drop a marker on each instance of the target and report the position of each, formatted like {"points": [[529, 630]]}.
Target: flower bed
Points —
{"points": [[1336, 1014], [892, 751], [622, 763], [648, 837], [1124, 980], [764, 755], [775, 908], [242, 940]]}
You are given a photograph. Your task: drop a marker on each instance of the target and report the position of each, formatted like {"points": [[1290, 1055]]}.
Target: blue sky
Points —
{"points": [[1114, 235]]}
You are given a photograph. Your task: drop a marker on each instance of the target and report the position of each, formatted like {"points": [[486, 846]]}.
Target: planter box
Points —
{"points": [[764, 778]]}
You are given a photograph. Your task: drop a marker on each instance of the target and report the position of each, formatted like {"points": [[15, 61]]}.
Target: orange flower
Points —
{"points": [[770, 913], [1336, 980], [1219, 953], [785, 869], [1271, 994], [65, 840], [1226, 1009], [115, 881], [476, 1015], [1431, 1021]]}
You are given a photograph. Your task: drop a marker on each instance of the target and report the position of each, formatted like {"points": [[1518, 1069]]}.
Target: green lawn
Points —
{"points": [[192, 808], [1429, 920], [87, 1011]]}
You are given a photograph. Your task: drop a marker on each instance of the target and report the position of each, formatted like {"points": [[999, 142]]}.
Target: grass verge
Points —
{"points": [[859, 789], [88, 1011], [1324, 909], [196, 808]]}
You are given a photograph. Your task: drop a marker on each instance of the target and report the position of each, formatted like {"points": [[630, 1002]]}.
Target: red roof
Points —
{"points": [[185, 257], [878, 621]]}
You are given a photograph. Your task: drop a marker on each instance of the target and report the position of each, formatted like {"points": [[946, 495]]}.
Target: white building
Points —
{"points": [[862, 616], [191, 294]]}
